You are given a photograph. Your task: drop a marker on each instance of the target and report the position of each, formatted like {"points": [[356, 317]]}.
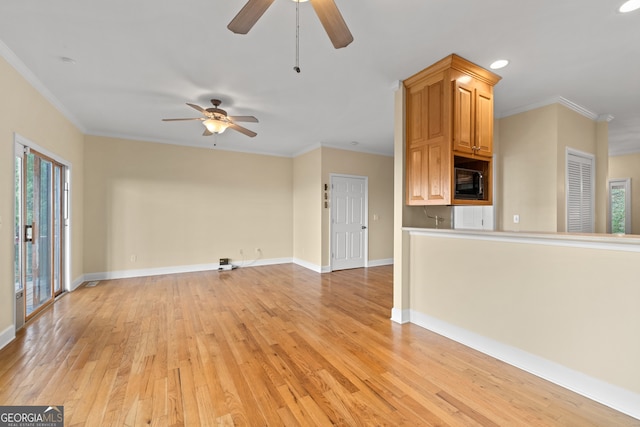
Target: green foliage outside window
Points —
{"points": [[618, 216]]}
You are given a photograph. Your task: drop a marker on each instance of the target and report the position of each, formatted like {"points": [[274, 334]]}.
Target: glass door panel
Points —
{"points": [[38, 232]]}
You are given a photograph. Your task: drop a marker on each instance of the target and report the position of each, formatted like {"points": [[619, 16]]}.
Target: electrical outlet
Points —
{"points": [[133, 258], [516, 219]]}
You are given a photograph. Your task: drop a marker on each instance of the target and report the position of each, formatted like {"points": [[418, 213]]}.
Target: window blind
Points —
{"points": [[580, 193]]}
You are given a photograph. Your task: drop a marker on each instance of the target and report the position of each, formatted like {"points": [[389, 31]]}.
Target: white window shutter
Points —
{"points": [[580, 193]]}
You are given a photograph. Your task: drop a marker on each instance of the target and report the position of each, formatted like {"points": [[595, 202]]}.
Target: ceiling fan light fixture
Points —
{"points": [[215, 126], [629, 6]]}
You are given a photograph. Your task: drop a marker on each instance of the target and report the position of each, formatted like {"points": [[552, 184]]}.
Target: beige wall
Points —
{"points": [[151, 205], [602, 175], [307, 207], [628, 166], [573, 306], [526, 175], [531, 162], [577, 132], [24, 111], [379, 170]]}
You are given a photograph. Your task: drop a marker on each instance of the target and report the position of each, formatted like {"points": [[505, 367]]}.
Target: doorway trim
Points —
{"points": [[365, 243]]}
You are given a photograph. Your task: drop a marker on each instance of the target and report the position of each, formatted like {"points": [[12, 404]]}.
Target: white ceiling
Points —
{"points": [[137, 62]]}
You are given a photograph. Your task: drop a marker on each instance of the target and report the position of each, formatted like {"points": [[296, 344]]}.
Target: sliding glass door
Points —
{"points": [[41, 196]]}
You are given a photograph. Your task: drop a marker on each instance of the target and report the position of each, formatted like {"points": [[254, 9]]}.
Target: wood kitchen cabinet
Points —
{"points": [[449, 124]]}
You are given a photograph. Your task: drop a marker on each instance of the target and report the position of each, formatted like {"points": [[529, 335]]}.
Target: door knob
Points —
{"points": [[364, 226]]}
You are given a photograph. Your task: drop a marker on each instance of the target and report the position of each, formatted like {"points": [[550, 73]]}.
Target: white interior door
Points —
{"points": [[349, 232]]}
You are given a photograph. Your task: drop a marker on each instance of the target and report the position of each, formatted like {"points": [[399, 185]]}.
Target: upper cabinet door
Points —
{"points": [[484, 123], [463, 117]]}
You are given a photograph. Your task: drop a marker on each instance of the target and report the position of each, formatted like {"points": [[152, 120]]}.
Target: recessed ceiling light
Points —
{"points": [[500, 63], [630, 6]]}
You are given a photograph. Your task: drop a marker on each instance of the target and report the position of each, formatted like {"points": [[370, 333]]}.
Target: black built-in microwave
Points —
{"points": [[468, 184]]}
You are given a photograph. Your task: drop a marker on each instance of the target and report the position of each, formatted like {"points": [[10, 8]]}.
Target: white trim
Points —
{"points": [[400, 315], [380, 262], [186, 143], [555, 100], [610, 395], [356, 148], [594, 241], [75, 284], [308, 265], [306, 150], [31, 78], [26, 142], [126, 274], [8, 335]]}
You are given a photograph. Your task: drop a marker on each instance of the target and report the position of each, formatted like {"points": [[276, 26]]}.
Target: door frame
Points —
{"points": [[20, 145], [332, 177]]}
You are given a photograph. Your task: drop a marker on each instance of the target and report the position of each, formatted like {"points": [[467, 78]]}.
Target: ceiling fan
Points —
{"points": [[216, 120], [326, 10]]}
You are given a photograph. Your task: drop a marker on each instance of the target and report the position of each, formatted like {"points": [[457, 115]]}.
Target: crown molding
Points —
{"points": [[13, 60], [556, 100]]}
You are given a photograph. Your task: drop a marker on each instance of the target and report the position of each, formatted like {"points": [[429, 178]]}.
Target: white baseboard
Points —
{"points": [[327, 268], [8, 335], [125, 274], [401, 316], [77, 282], [379, 262], [310, 266], [607, 394]]}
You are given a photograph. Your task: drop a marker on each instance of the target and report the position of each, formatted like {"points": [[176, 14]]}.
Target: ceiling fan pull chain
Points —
{"points": [[296, 68]]}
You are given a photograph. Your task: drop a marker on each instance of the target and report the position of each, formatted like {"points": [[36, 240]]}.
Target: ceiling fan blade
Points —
{"points": [[248, 16], [243, 119], [175, 120], [332, 22], [197, 107], [242, 130], [207, 132]]}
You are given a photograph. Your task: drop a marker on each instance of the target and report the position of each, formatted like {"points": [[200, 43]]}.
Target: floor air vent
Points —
{"points": [[92, 284]]}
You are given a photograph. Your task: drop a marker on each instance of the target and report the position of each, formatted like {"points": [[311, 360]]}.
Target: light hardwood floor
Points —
{"points": [[275, 345]]}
